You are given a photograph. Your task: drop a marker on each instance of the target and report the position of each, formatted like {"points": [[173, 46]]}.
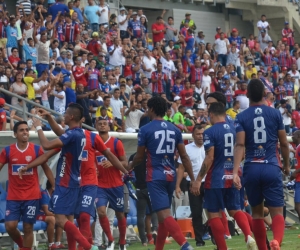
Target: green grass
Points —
{"points": [[290, 242]]}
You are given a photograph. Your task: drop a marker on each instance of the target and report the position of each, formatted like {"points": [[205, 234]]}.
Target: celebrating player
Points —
{"points": [[258, 129], [23, 194], [218, 165], [161, 139], [110, 185]]}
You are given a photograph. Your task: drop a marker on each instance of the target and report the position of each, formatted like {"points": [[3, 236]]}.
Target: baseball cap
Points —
{"points": [[134, 14], [95, 34], [249, 63], [42, 29], [226, 77], [286, 22], [284, 68], [107, 68], [234, 30], [274, 59], [188, 14], [176, 98], [190, 112], [84, 32], [211, 70], [122, 8], [218, 28], [2, 101]]}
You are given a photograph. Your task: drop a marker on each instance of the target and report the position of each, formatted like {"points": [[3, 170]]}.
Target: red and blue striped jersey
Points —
{"points": [[289, 88], [160, 139], [196, 74], [69, 162], [221, 136], [288, 33], [71, 30], [261, 125], [268, 59], [281, 95], [161, 78], [3, 23], [283, 59], [136, 28], [93, 78]]}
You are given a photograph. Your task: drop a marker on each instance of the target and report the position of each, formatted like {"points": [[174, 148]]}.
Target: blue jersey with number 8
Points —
{"points": [[261, 125], [160, 139]]}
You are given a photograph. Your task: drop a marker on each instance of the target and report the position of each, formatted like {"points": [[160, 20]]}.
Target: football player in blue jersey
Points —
{"points": [[160, 139], [258, 130], [217, 166]]}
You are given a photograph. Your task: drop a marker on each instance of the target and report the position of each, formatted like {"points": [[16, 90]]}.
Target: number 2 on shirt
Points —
{"points": [[83, 143]]}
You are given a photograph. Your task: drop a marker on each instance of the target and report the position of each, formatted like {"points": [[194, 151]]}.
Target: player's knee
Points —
{"points": [[10, 226], [27, 228], [50, 220], [101, 212], [119, 215]]}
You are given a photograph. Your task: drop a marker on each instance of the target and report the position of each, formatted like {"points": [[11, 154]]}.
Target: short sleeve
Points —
{"points": [[141, 138], [99, 144], [238, 125], [208, 140], [178, 137], [120, 149], [3, 159], [67, 137]]}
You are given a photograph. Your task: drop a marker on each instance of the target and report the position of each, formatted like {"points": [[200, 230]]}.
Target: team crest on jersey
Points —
{"points": [[28, 158], [226, 126], [164, 125], [258, 111], [7, 212]]}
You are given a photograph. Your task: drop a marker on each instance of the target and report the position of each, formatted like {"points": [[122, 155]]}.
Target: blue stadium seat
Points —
{"points": [[36, 227], [2, 210], [115, 222], [3, 193], [43, 225]]}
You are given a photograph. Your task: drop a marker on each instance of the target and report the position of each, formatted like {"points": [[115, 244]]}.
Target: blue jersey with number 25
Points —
{"points": [[261, 125], [160, 139]]}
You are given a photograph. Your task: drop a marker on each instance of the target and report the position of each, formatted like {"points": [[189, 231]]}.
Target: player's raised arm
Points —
{"points": [[53, 124]]}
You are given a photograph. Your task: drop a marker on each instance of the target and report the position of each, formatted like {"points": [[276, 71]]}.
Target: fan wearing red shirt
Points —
{"points": [[296, 116], [14, 58], [158, 30], [23, 193], [127, 69], [79, 72], [187, 95], [93, 45], [110, 185], [2, 115]]}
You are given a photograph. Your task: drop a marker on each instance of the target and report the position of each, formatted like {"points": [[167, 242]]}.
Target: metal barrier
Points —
{"points": [[37, 105]]}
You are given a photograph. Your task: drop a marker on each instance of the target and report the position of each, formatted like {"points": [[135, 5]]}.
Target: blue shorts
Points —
{"points": [[25, 209], [64, 200], [160, 193], [263, 182], [297, 192], [216, 199], [115, 197], [86, 201]]}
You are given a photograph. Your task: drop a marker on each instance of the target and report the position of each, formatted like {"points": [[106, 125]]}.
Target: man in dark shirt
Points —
{"points": [[144, 119]]}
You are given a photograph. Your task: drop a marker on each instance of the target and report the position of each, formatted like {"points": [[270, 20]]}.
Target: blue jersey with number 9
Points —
{"points": [[261, 125], [221, 136], [160, 139]]}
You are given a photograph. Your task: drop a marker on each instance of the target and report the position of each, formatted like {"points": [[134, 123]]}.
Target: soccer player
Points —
{"points": [[110, 185], [23, 194], [161, 139], [67, 186], [296, 175], [258, 129], [89, 181], [218, 165]]}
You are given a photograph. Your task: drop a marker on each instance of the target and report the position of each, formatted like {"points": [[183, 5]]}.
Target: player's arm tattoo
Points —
{"points": [[203, 170]]}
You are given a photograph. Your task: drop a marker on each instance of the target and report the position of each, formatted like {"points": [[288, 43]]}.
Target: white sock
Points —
{"points": [[57, 243], [50, 244]]}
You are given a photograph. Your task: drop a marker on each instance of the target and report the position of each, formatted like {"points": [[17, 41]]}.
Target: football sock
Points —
{"points": [[225, 223], [84, 226], [149, 237], [19, 241], [249, 217], [260, 234], [217, 228], [278, 227], [242, 221], [104, 222], [173, 228], [71, 242], [162, 234], [77, 236], [122, 230]]}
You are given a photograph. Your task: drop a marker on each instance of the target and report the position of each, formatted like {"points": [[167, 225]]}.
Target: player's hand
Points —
{"points": [[106, 164], [178, 192], [22, 171], [43, 113], [36, 122], [195, 187], [293, 176], [286, 170], [237, 181]]}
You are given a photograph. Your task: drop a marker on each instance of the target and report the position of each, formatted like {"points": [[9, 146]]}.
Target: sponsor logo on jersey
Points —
{"points": [[259, 152], [17, 167], [258, 111], [63, 167], [164, 125], [227, 177], [226, 126], [169, 172], [84, 155], [14, 159]]}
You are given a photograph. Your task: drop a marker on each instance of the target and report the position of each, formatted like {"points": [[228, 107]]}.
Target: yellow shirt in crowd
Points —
{"points": [[232, 113], [28, 80]]}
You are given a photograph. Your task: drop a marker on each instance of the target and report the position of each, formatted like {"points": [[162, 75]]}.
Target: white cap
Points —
{"points": [[190, 112], [122, 8], [211, 70], [176, 98]]}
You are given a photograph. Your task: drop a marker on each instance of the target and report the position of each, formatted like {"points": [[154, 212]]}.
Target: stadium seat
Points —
{"points": [[36, 227], [43, 225], [2, 210]]}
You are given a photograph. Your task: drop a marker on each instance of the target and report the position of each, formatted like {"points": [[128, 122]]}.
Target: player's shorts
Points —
{"points": [[263, 182], [115, 197], [64, 200], [86, 200], [160, 193], [25, 209], [41, 217], [216, 199], [297, 192]]}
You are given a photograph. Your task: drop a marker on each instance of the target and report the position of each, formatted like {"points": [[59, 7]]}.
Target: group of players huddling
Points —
{"points": [[90, 168]]}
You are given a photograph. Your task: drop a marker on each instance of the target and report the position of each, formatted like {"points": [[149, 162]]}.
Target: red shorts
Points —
{"points": [[41, 217]]}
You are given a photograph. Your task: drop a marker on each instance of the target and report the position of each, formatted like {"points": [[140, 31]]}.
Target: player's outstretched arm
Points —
{"points": [[239, 149], [138, 158], [38, 161], [185, 159], [48, 174], [285, 151], [120, 165]]}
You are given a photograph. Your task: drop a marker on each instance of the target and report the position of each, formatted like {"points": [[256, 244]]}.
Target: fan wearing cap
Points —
{"points": [[135, 27], [264, 39], [235, 38], [250, 70], [94, 45], [188, 20], [2, 115], [288, 33]]}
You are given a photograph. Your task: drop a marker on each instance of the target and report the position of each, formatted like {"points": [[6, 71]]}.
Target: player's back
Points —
{"points": [[69, 162], [221, 136], [261, 125], [160, 139], [110, 177]]}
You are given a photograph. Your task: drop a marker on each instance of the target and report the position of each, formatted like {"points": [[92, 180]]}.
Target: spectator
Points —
{"points": [[57, 8], [158, 30], [186, 95], [117, 108], [2, 115], [59, 99], [133, 117], [232, 112], [221, 46], [103, 12], [286, 115], [263, 24], [135, 27], [241, 96], [264, 39], [12, 34], [94, 45], [123, 22], [19, 88], [189, 21], [90, 13]]}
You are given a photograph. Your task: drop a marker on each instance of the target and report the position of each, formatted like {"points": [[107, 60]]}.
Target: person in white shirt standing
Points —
{"points": [[117, 107], [123, 22], [221, 46], [104, 13], [263, 24], [206, 82], [116, 54], [196, 153], [295, 74], [59, 99], [149, 64]]}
